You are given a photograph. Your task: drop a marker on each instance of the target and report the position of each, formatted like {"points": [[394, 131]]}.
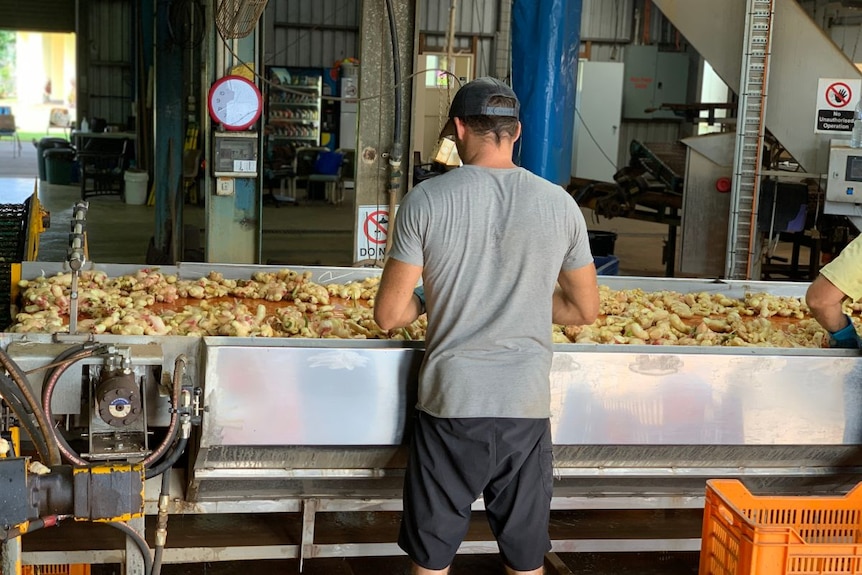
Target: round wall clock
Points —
{"points": [[234, 102]]}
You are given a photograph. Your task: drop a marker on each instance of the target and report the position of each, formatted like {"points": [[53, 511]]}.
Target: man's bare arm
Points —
{"points": [[576, 299], [395, 305]]}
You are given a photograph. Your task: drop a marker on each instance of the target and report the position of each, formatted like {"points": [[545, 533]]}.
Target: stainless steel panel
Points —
{"points": [[601, 395], [698, 399], [705, 210], [260, 395]]}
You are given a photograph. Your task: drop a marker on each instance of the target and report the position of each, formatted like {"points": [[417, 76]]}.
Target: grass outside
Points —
{"points": [[29, 137]]}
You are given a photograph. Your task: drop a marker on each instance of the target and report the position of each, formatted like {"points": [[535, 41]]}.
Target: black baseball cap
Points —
{"points": [[473, 97]]}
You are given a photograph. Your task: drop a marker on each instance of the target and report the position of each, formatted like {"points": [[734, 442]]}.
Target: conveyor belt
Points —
{"points": [[664, 160]]}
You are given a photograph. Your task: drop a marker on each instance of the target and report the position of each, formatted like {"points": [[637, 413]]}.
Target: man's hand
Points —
{"points": [[846, 338]]}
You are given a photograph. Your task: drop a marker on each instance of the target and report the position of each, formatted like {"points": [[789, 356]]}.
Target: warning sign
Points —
{"points": [[836, 101], [372, 230]]}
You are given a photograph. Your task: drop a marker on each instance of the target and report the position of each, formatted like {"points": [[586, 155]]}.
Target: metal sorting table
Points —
{"points": [[304, 426]]}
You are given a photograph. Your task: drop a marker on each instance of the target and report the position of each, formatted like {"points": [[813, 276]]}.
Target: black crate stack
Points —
{"points": [[13, 239]]}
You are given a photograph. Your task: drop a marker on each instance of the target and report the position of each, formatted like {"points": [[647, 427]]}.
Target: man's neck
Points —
{"points": [[490, 156]]}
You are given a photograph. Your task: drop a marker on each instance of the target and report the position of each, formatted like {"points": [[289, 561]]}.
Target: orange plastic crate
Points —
{"points": [[78, 569], [746, 534]]}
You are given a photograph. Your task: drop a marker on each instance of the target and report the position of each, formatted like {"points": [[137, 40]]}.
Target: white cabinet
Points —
{"points": [[598, 106]]}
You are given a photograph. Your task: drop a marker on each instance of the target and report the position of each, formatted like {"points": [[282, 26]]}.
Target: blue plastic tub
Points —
{"points": [[607, 265]]}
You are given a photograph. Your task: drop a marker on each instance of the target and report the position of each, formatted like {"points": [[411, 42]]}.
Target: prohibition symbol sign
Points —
{"points": [[838, 94], [375, 226]]}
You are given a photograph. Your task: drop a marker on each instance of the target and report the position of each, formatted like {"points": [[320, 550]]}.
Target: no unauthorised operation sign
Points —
{"points": [[836, 100]]}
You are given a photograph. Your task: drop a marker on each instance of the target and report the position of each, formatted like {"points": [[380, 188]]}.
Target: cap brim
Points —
{"points": [[448, 129]]}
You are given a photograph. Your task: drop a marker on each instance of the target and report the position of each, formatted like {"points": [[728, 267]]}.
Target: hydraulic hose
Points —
{"points": [[22, 411], [397, 146], [157, 561], [42, 418], [47, 393], [35, 525], [139, 541], [168, 461], [162, 522], [177, 382]]}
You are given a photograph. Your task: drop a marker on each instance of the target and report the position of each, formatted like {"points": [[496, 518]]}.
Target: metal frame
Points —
{"points": [[630, 474]]}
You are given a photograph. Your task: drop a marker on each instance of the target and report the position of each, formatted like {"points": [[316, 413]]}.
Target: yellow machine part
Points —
{"points": [[15, 440], [35, 226], [110, 469]]}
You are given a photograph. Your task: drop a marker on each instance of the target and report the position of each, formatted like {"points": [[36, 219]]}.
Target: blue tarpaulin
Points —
{"points": [[545, 47]]}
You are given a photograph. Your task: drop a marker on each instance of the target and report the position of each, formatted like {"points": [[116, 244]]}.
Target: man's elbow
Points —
{"points": [[590, 315], [384, 320], [814, 302], [388, 319], [822, 295]]}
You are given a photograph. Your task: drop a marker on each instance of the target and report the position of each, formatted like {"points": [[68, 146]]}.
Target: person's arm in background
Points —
{"points": [[396, 304], [824, 299], [576, 298]]}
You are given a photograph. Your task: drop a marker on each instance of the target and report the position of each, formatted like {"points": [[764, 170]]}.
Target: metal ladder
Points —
{"points": [[741, 261]]}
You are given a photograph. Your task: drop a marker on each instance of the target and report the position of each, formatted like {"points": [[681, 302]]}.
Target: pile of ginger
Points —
{"points": [[287, 303]]}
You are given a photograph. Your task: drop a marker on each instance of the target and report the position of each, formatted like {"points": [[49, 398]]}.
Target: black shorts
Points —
{"points": [[454, 461]]}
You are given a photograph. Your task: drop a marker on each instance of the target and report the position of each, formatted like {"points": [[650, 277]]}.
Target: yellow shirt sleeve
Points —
{"points": [[845, 271]]}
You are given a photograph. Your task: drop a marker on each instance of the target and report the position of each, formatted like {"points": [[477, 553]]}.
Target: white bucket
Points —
{"points": [[136, 187]]}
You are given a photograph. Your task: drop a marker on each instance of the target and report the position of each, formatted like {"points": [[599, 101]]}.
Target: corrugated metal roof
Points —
{"points": [[473, 16], [311, 33], [609, 20], [39, 16], [109, 74]]}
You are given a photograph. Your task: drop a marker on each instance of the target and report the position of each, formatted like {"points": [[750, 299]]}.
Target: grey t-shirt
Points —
{"points": [[492, 243]]}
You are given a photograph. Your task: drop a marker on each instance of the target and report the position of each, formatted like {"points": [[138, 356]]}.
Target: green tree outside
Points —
{"points": [[7, 64]]}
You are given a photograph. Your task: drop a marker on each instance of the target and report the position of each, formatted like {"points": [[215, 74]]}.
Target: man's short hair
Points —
{"points": [[498, 126]]}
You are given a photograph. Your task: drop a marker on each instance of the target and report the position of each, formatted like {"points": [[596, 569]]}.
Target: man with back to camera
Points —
{"points": [[838, 280], [491, 241]]}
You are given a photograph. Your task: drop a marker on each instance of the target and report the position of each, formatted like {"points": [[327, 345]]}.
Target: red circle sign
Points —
{"points": [[839, 95], [374, 227]]}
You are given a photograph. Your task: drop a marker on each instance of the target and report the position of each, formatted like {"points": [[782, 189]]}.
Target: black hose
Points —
{"points": [[20, 379], [396, 65], [157, 561], [139, 541], [163, 518], [168, 461], [177, 381], [22, 411]]}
